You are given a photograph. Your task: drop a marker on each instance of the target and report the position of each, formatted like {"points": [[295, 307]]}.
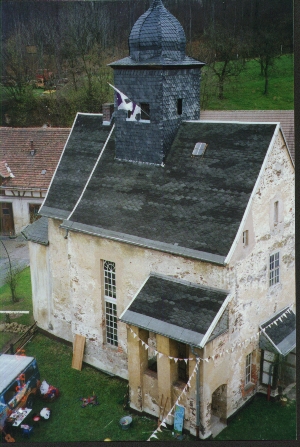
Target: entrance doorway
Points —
{"points": [[218, 410]]}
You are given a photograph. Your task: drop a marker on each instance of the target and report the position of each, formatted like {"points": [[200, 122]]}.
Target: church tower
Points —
{"points": [[162, 80]]}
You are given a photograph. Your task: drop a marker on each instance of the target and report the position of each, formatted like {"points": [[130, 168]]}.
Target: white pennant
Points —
{"points": [[171, 358], [163, 424], [160, 355], [134, 334], [186, 360], [153, 436], [155, 352], [206, 360], [175, 359], [142, 342], [146, 346]]}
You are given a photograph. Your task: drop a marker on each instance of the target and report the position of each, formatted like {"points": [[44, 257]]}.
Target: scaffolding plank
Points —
{"points": [[78, 348]]}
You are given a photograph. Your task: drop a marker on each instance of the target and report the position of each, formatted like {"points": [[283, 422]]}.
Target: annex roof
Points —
{"points": [[16, 146], [176, 309], [285, 117], [192, 206], [37, 231], [279, 333]]}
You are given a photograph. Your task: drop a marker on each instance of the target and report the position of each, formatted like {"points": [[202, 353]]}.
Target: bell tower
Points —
{"points": [[162, 80]]}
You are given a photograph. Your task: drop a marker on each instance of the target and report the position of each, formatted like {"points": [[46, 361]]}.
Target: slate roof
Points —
{"points": [[279, 337], [81, 152], [191, 206], [15, 147], [37, 231], [176, 309], [285, 117]]}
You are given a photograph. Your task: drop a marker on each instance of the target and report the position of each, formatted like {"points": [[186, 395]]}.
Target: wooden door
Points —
{"points": [[7, 220]]}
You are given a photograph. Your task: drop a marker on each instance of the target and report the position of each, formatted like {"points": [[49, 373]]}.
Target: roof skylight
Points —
{"points": [[199, 148]]}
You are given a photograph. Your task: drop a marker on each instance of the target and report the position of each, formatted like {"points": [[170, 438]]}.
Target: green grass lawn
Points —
{"points": [[262, 420], [246, 91]]}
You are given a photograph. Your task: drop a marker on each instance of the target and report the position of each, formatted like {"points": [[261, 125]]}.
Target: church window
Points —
{"points": [[248, 368], [275, 212], [274, 269], [245, 237], [110, 302], [145, 111]]}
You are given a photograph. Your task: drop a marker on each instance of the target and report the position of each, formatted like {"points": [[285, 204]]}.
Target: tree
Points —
{"points": [[12, 277], [223, 52]]}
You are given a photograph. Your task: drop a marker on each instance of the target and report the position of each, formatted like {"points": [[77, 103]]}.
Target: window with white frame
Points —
{"points": [[248, 368], [110, 302], [274, 269]]}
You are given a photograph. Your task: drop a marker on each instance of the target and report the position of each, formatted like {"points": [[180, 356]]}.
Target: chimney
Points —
{"points": [[32, 150], [107, 110]]}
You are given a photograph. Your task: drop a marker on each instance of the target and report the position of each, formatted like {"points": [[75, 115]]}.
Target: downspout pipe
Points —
{"points": [[197, 392]]}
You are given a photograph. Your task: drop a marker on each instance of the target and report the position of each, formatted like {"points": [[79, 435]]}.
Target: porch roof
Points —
{"points": [[177, 309], [279, 333], [37, 231]]}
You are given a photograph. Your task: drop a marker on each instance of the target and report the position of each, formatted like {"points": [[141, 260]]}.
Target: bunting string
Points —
{"points": [[226, 351]]}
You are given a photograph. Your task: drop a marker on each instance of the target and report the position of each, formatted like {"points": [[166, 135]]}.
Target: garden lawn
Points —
{"points": [[262, 420], [246, 92]]}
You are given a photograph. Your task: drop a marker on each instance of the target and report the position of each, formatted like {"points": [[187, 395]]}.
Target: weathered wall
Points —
{"points": [[41, 284]]}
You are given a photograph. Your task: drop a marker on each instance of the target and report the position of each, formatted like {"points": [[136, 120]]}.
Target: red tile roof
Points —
{"points": [[15, 147], [285, 117]]}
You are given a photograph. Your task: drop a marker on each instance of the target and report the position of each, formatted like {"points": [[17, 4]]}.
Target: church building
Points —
{"points": [[168, 242]]}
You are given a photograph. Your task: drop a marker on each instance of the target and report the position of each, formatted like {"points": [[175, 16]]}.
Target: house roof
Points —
{"points": [[15, 147], [285, 117], [192, 206], [37, 231], [176, 309], [279, 333]]}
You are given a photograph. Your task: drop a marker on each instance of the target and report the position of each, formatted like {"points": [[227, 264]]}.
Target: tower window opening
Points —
{"points": [[145, 111], [179, 106]]}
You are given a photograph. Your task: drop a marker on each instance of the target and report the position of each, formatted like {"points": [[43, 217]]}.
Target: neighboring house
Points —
{"points": [[29, 157], [169, 242]]}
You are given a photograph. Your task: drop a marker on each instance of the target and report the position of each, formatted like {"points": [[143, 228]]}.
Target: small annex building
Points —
{"points": [[28, 160], [168, 242]]}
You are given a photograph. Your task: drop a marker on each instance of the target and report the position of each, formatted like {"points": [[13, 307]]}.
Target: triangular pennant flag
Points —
{"points": [[153, 436], [155, 352], [226, 350], [189, 384], [142, 342], [134, 334], [160, 355], [191, 359], [175, 359], [146, 346], [158, 429], [206, 360], [275, 323], [171, 358], [186, 360], [163, 424], [213, 357]]}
